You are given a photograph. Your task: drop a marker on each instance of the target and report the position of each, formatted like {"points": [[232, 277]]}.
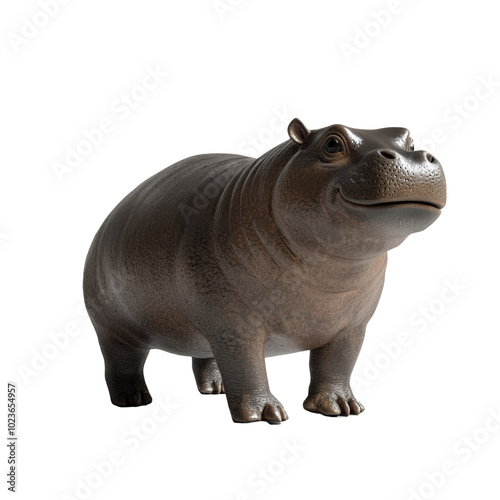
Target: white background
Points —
{"points": [[229, 73]]}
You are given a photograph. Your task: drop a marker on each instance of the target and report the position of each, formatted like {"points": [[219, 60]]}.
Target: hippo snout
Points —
{"points": [[386, 176]]}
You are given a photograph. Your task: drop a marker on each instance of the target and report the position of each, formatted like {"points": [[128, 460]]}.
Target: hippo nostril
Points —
{"points": [[387, 154], [429, 157]]}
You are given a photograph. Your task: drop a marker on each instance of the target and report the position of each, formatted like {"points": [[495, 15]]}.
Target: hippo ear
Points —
{"points": [[298, 132]]}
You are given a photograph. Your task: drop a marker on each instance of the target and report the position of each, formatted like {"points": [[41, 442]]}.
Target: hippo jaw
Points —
{"points": [[389, 222]]}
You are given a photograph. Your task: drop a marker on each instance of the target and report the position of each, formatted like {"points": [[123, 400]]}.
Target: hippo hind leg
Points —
{"points": [[207, 376], [124, 364]]}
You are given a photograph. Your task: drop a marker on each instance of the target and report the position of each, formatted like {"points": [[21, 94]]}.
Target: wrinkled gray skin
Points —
{"points": [[229, 259]]}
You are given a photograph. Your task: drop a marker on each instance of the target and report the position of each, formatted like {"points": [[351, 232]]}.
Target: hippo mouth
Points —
{"points": [[401, 203]]}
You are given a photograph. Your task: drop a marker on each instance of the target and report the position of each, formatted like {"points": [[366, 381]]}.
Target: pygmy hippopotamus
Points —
{"points": [[229, 259]]}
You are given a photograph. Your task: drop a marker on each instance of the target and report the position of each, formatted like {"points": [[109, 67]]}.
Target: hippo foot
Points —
{"points": [[212, 387], [136, 398], [333, 401], [207, 376], [258, 408]]}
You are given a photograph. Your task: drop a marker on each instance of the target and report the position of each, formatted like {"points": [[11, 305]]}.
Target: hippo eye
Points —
{"points": [[411, 145], [333, 145]]}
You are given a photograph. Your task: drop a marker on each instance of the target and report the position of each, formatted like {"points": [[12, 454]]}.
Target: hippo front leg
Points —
{"points": [[331, 366], [243, 369]]}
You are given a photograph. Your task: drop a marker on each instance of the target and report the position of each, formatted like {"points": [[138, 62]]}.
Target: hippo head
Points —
{"points": [[357, 192]]}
